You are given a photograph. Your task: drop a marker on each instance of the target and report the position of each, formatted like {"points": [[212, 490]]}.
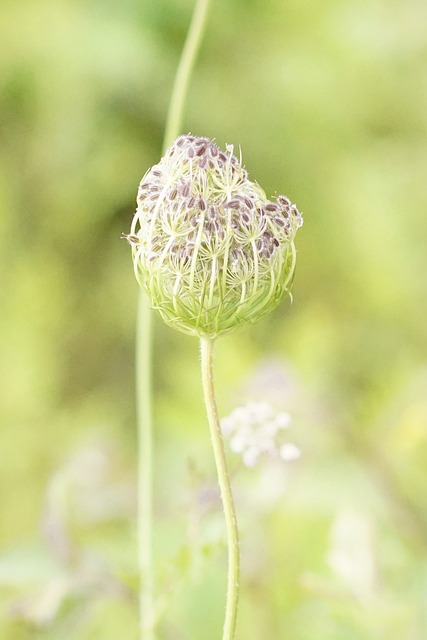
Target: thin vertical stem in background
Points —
{"points": [[183, 74], [145, 467], [143, 350], [225, 488]]}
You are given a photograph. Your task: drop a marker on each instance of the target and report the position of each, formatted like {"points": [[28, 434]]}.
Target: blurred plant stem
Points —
{"points": [[225, 487], [144, 348], [145, 473], [183, 74]]}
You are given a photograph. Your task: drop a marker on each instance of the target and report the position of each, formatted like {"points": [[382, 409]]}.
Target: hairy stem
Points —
{"points": [[143, 350], [225, 488]]}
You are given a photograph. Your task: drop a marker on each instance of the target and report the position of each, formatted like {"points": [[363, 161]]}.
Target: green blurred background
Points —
{"points": [[328, 101]]}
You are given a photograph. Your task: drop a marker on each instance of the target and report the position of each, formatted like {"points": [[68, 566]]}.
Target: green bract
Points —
{"points": [[211, 251]]}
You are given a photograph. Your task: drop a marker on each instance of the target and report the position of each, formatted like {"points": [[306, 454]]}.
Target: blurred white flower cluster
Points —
{"points": [[257, 430]]}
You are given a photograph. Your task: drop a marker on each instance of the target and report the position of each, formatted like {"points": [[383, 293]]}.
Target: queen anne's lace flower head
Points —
{"points": [[257, 430], [211, 251]]}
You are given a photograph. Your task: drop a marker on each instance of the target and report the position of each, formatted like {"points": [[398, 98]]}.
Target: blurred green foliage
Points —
{"points": [[328, 101]]}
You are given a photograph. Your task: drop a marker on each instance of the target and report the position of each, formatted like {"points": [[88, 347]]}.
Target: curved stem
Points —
{"points": [[183, 74], [225, 488], [143, 350]]}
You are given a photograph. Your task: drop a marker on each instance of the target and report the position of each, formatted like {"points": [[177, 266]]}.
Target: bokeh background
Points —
{"points": [[328, 101]]}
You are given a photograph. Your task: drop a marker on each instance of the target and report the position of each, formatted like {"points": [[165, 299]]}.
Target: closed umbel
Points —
{"points": [[211, 251]]}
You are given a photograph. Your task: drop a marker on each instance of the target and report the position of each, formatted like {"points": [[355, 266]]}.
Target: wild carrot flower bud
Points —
{"points": [[211, 251]]}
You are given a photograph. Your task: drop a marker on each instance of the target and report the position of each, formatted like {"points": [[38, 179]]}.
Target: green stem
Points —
{"points": [[183, 74], [143, 350], [225, 488], [145, 473]]}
